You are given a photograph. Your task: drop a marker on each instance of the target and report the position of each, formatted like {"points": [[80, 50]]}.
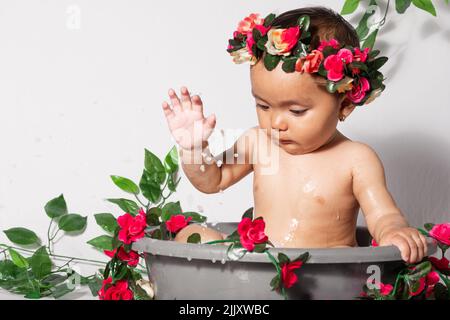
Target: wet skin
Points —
{"points": [[321, 178]]}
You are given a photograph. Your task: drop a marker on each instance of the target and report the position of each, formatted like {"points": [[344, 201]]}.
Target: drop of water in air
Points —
{"points": [[219, 163], [213, 260], [202, 168], [222, 261], [189, 258]]}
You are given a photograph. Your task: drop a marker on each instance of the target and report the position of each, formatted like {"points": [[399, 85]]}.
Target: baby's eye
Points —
{"points": [[262, 106], [297, 112]]}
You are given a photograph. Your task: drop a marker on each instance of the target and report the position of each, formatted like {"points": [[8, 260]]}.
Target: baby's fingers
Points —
{"points": [[403, 246], [175, 101], [167, 111], [197, 104], [186, 99], [209, 124]]}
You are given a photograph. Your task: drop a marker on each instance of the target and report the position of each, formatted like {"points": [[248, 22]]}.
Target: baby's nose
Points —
{"points": [[278, 122]]}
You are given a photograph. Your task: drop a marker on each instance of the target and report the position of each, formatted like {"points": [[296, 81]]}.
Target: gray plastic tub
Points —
{"points": [[200, 271]]}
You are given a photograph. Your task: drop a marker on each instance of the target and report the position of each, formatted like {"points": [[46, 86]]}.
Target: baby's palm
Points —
{"points": [[186, 121]]}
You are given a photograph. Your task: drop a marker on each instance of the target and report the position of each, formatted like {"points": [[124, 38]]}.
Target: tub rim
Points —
{"points": [[218, 252]]}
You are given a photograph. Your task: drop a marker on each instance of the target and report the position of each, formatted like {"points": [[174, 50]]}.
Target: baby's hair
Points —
{"points": [[325, 24]]}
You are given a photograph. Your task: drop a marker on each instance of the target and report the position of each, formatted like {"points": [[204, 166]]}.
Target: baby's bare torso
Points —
{"points": [[306, 200]]}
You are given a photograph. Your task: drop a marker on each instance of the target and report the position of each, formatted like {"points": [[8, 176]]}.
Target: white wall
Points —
{"points": [[79, 104]]}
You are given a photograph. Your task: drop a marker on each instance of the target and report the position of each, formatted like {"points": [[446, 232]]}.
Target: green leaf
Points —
{"points": [[61, 290], [402, 5], [275, 282], [150, 188], [95, 284], [40, 263], [125, 184], [362, 29], [289, 65], [171, 160], [282, 258], [22, 236], [126, 205], [153, 219], [349, 6], [170, 209], [248, 213], [72, 222], [370, 41], [194, 238], [154, 167], [56, 207], [271, 61], [357, 64], [373, 54], [428, 226], [18, 259], [103, 242], [106, 221], [196, 217], [259, 248], [377, 63], [54, 279], [304, 22], [269, 19], [420, 271], [425, 5], [173, 181], [303, 257]]}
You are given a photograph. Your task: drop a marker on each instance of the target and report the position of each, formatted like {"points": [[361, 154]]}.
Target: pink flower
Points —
{"points": [[281, 41], [441, 232], [288, 276], [361, 56], [335, 63], [359, 90], [310, 63], [332, 43], [431, 279], [441, 264], [177, 222], [373, 243], [251, 233], [132, 228], [385, 289], [117, 291], [250, 41], [131, 257], [249, 23]]}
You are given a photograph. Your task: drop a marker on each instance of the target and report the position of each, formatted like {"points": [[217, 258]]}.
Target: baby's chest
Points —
{"points": [[306, 181]]}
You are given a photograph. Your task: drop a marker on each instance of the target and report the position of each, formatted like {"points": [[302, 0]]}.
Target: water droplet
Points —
{"points": [[189, 258], [202, 168], [219, 163], [236, 155], [220, 191], [338, 217], [222, 261], [214, 223], [213, 260], [236, 253]]}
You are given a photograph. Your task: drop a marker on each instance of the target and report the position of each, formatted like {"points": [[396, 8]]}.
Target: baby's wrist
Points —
{"points": [[197, 155]]}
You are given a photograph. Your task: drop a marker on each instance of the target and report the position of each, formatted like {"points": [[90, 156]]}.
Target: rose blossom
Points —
{"points": [[361, 56], [249, 23], [250, 41], [251, 233], [242, 55], [117, 291], [288, 276], [334, 64], [177, 222], [281, 41], [441, 264], [332, 43], [441, 232], [131, 257], [359, 90], [310, 63], [132, 228], [385, 289]]}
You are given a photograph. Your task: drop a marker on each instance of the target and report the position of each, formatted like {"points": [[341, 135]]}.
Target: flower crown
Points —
{"points": [[346, 69]]}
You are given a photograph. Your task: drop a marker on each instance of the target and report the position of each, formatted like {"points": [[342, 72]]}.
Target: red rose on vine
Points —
{"points": [[132, 228], [252, 232], [117, 291]]}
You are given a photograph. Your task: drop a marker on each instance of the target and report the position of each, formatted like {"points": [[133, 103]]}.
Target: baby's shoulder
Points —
{"points": [[358, 152]]}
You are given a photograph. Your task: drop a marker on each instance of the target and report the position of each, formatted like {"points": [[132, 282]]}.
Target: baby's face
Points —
{"points": [[294, 107]]}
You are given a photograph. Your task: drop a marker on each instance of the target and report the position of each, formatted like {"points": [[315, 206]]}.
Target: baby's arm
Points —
{"points": [[385, 221], [213, 178], [191, 131]]}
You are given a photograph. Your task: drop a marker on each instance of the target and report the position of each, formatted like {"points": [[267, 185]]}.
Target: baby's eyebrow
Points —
{"points": [[283, 103]]}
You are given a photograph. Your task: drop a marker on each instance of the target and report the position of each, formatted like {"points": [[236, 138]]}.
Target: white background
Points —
{"points": [[82, 82]]}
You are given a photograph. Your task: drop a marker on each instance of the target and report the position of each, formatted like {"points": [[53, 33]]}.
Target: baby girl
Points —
{"points": [[307, 73]]}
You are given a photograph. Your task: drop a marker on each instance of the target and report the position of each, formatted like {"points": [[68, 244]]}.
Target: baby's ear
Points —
{"points": [[346, 106]]}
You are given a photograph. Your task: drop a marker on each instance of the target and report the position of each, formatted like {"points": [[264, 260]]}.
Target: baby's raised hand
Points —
{"points": [[186, 121], [410, 241]]}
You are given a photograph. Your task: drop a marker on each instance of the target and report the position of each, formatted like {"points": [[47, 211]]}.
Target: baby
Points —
{"points": [[318, 178]]}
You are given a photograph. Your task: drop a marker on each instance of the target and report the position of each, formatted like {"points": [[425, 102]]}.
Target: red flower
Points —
{"points": [[310, 63], [441, 264], [441, 232], [361, 55], [427, 282], [385, 289], [132, 228], [131, 257], [117, 291], [332, 43], [288, 276], [334, 64], [250, 41], [373, 243], [177, 222], [359, 90], [252, 232]]}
